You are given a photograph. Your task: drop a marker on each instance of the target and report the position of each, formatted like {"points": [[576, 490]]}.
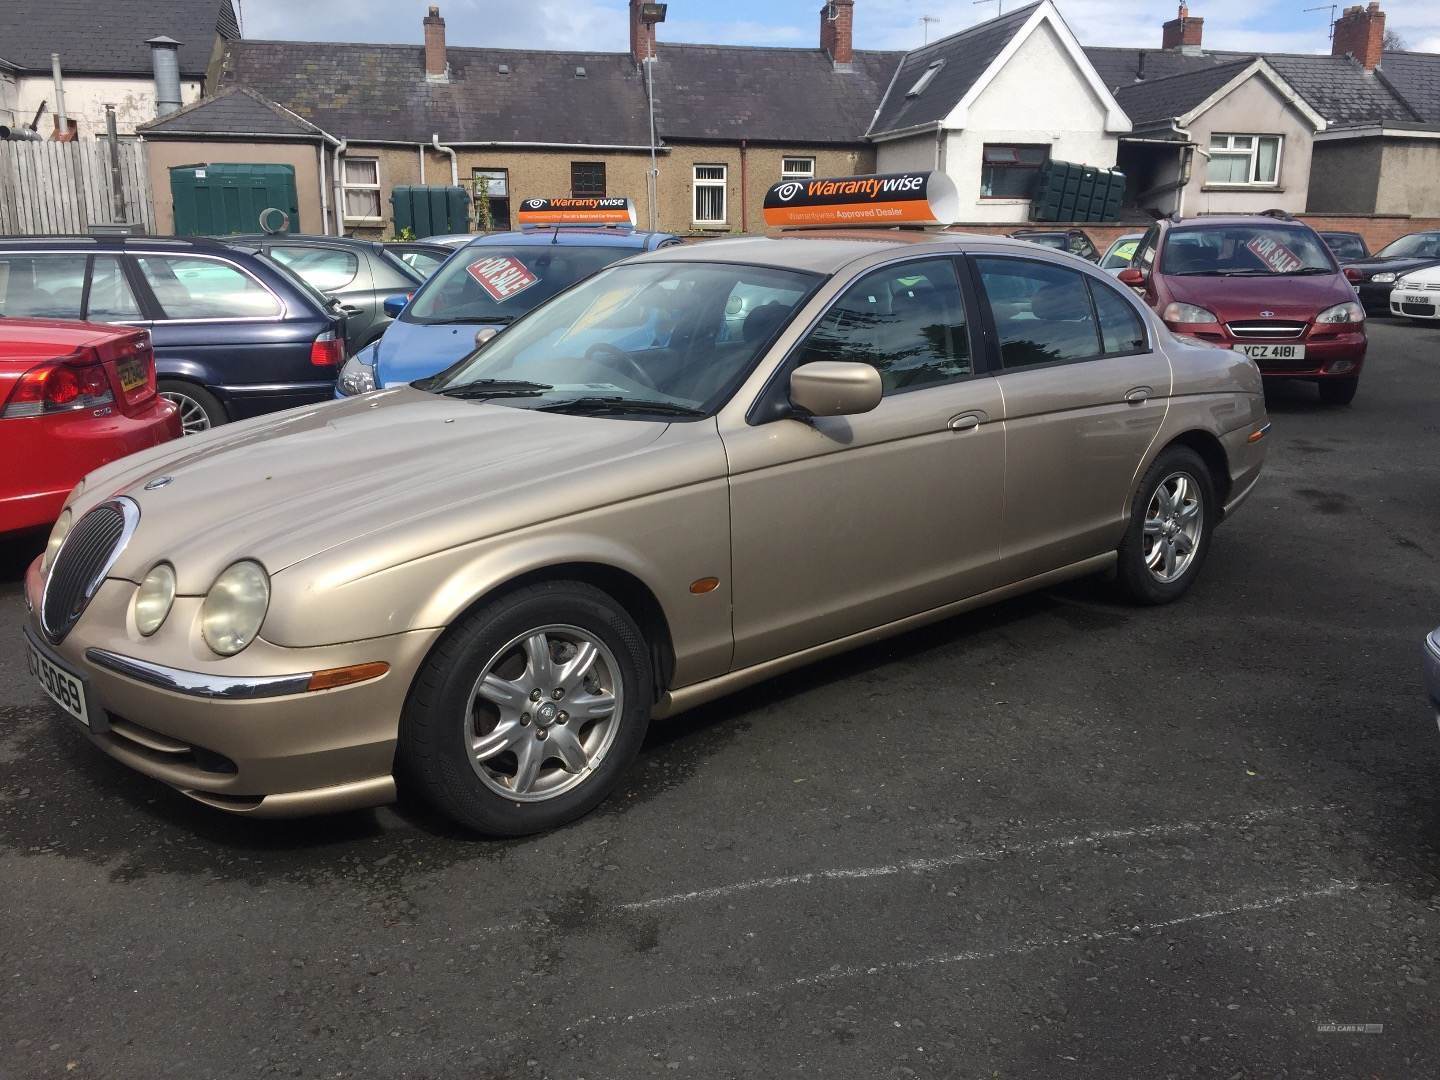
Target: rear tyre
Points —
{"points": [[1339, 391], [1171, 523], [528, 711], [200, 410]]}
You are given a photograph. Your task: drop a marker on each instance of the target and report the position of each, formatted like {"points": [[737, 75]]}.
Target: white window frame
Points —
{"points": [[789, 171], [346, 186], [1229, 150], [698, 182]]}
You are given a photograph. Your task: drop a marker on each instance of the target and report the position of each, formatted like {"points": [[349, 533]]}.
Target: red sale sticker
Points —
{"points": [[1278, 258], [502, 276]]}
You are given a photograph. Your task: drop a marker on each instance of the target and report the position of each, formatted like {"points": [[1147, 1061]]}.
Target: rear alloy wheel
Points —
{"points": [[1339, 391], [528, 711], [1170, 527], [199, 409]]}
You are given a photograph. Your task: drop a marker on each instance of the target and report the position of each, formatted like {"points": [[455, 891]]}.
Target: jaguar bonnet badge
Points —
{"points": [[158, 482]]}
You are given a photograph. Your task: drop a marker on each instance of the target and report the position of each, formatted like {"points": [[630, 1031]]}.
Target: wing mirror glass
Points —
{"points": [[835, 388], [1132, 276], [393, 305]]}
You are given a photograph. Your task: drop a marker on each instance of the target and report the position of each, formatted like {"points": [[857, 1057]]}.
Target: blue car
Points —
{"points": [[485, 286]]}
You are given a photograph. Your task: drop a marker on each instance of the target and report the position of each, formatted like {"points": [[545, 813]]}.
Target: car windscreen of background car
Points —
{"points": [[643, 338], [499, 284], [1345, 247], [1245, 251], [1414, 246]]}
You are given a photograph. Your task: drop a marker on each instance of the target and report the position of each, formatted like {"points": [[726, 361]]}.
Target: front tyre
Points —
{"points": [[527, 712], [1171, 523], [1339, 391]]}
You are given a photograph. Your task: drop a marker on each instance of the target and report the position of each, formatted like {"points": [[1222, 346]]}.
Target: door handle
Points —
{"points": [[1138, 396], [350, 310], [966, 421]]}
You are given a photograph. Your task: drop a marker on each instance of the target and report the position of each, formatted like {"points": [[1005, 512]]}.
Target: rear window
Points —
{"points": [[499, 283], [1345, 245], [1245, 250]]}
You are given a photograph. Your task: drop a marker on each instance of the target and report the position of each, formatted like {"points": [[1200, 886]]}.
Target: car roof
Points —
{"points": [[1337, 232], [574, 236], [1221, 220], [298, 238], [80, 242]]}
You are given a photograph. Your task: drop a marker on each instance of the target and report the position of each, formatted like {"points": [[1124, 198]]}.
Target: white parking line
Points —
{"points": [[942, 862], [1129, 933]]}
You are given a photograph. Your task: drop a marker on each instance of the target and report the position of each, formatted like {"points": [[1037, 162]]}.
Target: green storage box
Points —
{"points": [[225, 198], [429, 210]]}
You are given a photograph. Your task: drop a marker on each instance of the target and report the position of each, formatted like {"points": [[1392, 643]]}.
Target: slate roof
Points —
{"points": [[1158, 100], [966, 55], [766, 94], [238, 110], [1336, 87], [1416, 78], [107, 37]]}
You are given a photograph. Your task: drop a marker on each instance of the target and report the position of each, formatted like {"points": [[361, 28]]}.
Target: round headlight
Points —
{"points": [[57, 537], [235, 607], [153, 599]]}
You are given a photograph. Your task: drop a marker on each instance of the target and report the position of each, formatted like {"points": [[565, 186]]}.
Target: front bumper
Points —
{"points": [[1327, 355], [1430, 309], [242, 734]]}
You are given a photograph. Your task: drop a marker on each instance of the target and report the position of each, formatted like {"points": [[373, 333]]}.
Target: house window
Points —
{"points": [[360, 178], [710, 194], [495, 183], [926, 77], [587, 179], [1243, 159], [797, 168], [1010, 171]]}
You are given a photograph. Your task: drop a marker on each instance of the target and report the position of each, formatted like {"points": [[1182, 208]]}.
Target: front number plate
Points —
{"points": [[1272, 352], [1417, 299], [64, 688]]}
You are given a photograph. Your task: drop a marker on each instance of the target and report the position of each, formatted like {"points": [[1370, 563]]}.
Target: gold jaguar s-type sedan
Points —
{"points": [[696, 469]]}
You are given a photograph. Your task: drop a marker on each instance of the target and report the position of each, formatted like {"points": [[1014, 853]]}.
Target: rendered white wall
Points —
{"points": [[86, 98]]}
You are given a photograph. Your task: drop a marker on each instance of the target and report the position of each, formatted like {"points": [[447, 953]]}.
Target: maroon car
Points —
{"points": [[1266, 286]]}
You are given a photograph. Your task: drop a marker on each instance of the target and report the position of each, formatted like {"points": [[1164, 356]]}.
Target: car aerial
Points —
{"points": [[489, 583], [1074, 241], [1262, 285], [484, 287], [357, 274], [234, 335], [1417, 295], [1374, 278], [1118, 255], [422, 256], [73, 397], [1348, 247]]}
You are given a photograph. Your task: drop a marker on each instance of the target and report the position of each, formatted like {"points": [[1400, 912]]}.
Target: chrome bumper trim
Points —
{"points": [[198, 684]]}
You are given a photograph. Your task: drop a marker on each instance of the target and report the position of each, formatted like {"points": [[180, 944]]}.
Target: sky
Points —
{"points": [[600, 25]]}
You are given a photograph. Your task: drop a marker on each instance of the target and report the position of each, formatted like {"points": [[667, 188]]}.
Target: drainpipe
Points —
{"points": [[420, 153], [339, 190], [61, 120], [324, 192], [454, 161], [744, 189]]}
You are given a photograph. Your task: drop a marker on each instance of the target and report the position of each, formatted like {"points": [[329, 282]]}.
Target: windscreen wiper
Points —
{"points": [[599, 405], [452, 320], [484, 388], [1307, 270]]}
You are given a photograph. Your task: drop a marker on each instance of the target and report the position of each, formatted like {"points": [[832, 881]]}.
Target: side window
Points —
{"points": [[1145, 257], [327, 269], [1120, 328], [422, 262], [42, 286], [111, 299], [193, 288], [1042, 312], [908, 321]]}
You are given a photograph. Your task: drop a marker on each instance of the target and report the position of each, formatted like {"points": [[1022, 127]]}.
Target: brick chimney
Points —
{"points": [[642, 29], [1360, 32], [837, 31], [1182, 32], [437, 69]]}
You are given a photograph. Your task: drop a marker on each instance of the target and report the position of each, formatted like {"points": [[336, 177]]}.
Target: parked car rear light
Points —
{"points": [[327, 350], [1351, 274], [65, 384]]}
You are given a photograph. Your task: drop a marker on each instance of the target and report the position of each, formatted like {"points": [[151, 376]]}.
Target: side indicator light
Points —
{"points": [[1259, 433], [704, 585], [344, 676]]}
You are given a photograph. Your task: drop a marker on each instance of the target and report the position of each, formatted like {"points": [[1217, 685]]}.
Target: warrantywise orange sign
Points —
{"points": [[911, 198], [577, 212]]}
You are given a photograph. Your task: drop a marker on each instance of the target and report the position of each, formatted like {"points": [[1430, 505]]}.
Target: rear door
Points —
{"points": [[1085, 391]]}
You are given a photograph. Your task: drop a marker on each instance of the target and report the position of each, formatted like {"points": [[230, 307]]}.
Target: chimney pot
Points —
{"points": [[837, 31], [1360, 33], [437, 67], [1183, 32]]}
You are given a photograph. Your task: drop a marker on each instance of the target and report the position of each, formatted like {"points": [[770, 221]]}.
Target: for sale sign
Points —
{"points": [[501, 276], [1276, 257]]}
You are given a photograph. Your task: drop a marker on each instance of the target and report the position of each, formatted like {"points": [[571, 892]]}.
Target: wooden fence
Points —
{"points": [[54, 187]]}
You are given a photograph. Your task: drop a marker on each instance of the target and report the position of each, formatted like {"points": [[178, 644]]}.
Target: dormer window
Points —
{"points": [[926, 78]]}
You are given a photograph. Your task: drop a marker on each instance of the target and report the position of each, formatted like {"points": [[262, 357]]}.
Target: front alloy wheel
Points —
{"points": [[1171, 522], [1172, 527]]}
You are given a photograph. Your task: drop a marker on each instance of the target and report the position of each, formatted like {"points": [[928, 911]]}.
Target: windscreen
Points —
{"points": [[1414, 246], [499, 283], [1245, 251]]}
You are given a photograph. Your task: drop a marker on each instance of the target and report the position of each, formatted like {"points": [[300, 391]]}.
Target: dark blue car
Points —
{"points": [[485, 286], [234, 334]]}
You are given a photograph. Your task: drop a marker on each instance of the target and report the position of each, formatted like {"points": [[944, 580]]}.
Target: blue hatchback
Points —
{"points": [[485, 286]]}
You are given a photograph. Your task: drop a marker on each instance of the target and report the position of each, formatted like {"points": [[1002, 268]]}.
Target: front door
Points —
{"points": [[841, 524], [1085, 392]]}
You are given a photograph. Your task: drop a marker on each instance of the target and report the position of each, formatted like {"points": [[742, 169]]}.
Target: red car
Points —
{"points": [[1267, 286], [73, 396]]}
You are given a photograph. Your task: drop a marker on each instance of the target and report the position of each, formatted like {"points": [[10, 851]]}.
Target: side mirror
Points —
{"points": [[835, 388], [484, 334], [393, 305], [1132, 276]]}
